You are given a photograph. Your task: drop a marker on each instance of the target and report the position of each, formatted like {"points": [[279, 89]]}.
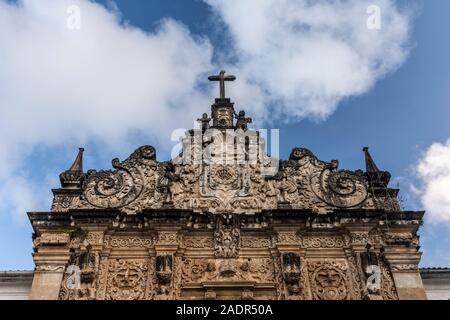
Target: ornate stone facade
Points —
{"points": [[204, 227]]}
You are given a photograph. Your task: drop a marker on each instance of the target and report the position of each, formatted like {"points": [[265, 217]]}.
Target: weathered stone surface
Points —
{"points": [[225, 220]]}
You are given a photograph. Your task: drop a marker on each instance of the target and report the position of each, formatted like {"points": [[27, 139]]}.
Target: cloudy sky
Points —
{"points": [[129, 72]]}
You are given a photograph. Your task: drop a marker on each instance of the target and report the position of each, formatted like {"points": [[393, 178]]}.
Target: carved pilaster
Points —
{"points": [[51, 258], [405, 272]]}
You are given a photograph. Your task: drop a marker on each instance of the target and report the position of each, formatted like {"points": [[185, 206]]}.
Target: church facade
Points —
{"points": [[224, 220]]}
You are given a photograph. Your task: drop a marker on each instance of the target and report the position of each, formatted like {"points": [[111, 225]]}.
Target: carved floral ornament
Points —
{"points": [[140, 182], [52, 239]]}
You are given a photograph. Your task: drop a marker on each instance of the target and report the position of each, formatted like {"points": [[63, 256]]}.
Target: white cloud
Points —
{"points": [[98, 83], [433, 170], [310, 55], [108, 79]]}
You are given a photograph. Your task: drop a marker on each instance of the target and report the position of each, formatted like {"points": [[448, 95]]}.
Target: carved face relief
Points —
{"points": [[328, 280], [127, 279]]}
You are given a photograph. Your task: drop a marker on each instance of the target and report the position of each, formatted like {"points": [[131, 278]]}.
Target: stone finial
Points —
{"points": [[375, 177], [73, 177]]}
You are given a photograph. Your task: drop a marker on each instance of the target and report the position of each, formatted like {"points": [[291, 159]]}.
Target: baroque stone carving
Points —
{"points": [[255, 242], [342, 189], [227, 240], [130, 242], [328, 280], [49, 268], [291, 272], [52, 239], [404, 267], [126, 279], [164, 264], [288, 237], [388, 290], [404, 238], [79, 279], [168, 238], [119, 188], [199, 242], [95, 238], [251, 269]]}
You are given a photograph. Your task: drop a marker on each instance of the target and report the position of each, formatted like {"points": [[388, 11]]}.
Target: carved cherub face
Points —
{"points": [[148, 152]]}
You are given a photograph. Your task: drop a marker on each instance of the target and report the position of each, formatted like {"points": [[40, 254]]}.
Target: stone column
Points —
{"points": [[405, 271], [51, 259]]}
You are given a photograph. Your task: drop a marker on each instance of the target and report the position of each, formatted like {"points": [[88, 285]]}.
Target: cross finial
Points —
{"points": [[222, 78]]}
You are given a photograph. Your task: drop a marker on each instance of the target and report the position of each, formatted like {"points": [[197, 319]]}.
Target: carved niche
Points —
{"points": [[164, 265]]}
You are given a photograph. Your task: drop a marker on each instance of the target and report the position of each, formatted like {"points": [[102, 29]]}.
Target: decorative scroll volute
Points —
{"points": [[123, 186], [341, 189]]}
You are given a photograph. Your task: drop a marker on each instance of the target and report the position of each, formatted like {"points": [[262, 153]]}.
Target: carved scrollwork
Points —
{"points": [[52, 239], [388, 289], [118, 188], [130, 242], [341, 189], [288, 237], [199, 242], [256, 242], [113, 189], [322, 242], [405, 267]]}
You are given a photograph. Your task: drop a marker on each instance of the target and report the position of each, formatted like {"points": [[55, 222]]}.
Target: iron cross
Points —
{"points": [[222, 78]]}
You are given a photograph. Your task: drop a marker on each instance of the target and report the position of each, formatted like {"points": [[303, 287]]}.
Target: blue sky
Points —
{"points": [[399, 117]]}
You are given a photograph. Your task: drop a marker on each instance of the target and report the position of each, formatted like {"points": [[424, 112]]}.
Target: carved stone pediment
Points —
{"points": [[141, 182], [222, 169]]}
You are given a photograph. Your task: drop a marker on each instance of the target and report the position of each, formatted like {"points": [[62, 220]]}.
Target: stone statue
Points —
{"points": [[242, 121], [164, 182], [204, 120]]}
